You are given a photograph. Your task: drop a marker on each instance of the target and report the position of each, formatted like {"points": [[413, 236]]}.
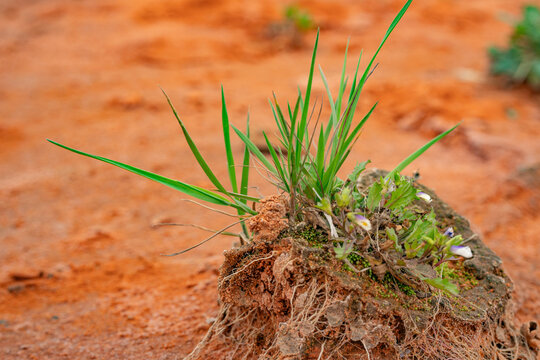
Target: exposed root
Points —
{"points": [[284, 299], [278, 302], [195, 353]]}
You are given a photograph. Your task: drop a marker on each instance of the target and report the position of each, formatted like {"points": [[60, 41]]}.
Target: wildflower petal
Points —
{"points": [[362, 221], [464, 251], [422, 195], [449, 232]]}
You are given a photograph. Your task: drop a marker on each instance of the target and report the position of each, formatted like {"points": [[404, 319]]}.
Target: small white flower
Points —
{"points": [[362, 221], [449, 232], [464, 251], [422, 195], [391, 186]]}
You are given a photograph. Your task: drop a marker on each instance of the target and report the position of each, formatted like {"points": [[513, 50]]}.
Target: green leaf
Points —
{"points": [[342, 251], [245, 164], [358, 127], [443, 284], [277, 163], [195, 150], [307, 96], [227, 140], [374, 196], [192, 190], [342, 81], [343, 198], [353, 177], [352, 105], [402, 196], [325, 205], [255, 151], [417, 153], [333, 115], [392, 236], [245, 178], [517, 61], [280, 119], [319, 159], [302, 126], [244, 197]]}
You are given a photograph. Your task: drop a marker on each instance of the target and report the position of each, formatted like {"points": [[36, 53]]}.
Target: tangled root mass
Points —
{"points": [[282, 298]]}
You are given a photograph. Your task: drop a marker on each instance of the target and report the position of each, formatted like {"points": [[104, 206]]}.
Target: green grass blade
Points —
{"points": [[277, 163], [302, 126], [342, 81], [281, 118], [417, 153], [244, 197], [282, 127], [245, 164], [353, 85], [245, 178], [319, 159], [296, 109], [195, 150], [294, 117], [362, 81], [289, 110], [227, 140], [240, 204], [191, 190], [355, 131], [388, 32], [333, 115], [339, 128], [305, 107], [255, 151]]}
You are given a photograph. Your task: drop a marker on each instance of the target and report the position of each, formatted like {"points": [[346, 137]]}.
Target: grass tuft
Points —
{"points": [[380, 226], [520, 61]]}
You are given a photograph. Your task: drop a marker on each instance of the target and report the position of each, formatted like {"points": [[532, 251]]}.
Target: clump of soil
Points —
{"points": [[285, 296]]}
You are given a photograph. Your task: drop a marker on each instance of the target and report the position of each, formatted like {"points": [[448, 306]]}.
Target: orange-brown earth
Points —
{"points": [[81, 275]]}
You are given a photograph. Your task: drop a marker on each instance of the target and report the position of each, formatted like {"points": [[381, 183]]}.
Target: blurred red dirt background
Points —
{"points": [[81, 275]]}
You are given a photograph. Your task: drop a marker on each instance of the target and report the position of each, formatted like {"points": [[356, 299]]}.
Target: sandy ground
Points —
{"points": [[81, 276]]}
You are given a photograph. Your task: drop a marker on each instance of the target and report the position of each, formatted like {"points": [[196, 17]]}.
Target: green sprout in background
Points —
{"points": [[520, 62], [300, 18], [382, 227]]}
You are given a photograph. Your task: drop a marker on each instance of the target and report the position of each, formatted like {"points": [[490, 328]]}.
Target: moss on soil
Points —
{"points": [[456, 272], [314, 237], [289, 297]]}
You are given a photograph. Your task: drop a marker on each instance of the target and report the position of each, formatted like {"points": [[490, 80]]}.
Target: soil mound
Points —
{"points": [[285, 296]]}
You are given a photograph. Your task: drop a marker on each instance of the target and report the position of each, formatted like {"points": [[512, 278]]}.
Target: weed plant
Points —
{"points": [[520, 61], [382, 229], [300, 18]]}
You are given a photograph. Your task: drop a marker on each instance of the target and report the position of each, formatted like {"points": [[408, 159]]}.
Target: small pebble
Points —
{"points": [[16, 288]]}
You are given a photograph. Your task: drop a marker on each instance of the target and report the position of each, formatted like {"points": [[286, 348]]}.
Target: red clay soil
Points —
{"points": [[81, 275]]}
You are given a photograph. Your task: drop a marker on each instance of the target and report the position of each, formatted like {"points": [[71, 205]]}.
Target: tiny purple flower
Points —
{"points": [[362, 221], [449, 232], [422, 195], [391, 186], [464, 251]]}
